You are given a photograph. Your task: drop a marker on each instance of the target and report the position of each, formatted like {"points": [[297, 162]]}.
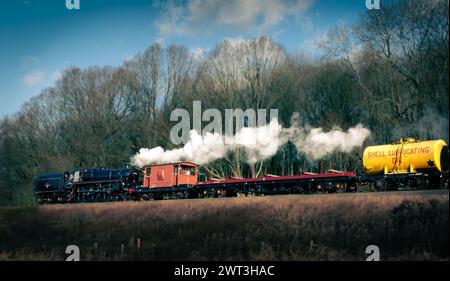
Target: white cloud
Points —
{"points": [[172, 20], [198, 53], [310, 45], [127, 57], [33, 78], [305, 23], [56, 75], [161, 41], [236, 41], [199, 16]]}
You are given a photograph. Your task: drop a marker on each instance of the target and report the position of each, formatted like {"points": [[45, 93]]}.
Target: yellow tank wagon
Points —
{"points": [[408, 156]]}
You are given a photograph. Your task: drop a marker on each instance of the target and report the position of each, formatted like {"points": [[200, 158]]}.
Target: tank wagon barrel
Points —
{"points": [[408, 156], [409, 162]]}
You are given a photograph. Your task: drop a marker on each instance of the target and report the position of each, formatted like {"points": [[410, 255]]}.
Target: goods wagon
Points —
{"points": [[169, 175], [409, 163], [408, 156]]}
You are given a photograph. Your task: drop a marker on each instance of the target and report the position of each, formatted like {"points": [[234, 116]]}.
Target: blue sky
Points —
{"points": [[40, 38]]}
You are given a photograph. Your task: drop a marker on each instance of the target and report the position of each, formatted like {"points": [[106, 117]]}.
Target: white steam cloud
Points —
{"points": [[259, 143], [316, 144]]}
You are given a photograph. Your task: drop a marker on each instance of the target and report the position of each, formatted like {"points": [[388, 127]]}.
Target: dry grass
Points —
{"points": [[405, 226]]}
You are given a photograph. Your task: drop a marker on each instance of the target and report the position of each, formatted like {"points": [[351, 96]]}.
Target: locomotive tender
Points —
{"points": [[409, 163]]}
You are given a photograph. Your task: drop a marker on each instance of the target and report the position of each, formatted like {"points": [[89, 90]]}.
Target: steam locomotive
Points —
{"points": [[409, 163], [100, 184]]}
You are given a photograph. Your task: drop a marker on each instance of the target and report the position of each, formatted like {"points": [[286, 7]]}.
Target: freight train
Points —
{"points": [[407, 164]]}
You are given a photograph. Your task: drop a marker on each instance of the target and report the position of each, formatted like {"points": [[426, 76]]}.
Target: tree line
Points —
{"points": [[388, 71]]}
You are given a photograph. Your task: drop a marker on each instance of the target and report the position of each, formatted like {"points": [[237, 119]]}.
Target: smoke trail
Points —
{"points": [[259, 143], [432, 125], [316, 143]]}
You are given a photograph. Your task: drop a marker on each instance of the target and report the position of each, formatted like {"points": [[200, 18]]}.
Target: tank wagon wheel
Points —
{"points": [[373, 187], [380, 185], [416, 183], [385, 186]]}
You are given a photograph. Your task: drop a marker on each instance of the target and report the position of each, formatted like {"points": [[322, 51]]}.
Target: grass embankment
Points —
{"points": [[405, 226]]}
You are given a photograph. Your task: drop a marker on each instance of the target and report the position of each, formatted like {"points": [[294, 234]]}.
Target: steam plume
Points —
{"points": [[259, 143]]}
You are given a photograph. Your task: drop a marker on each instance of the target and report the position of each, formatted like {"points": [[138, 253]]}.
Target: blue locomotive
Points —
{"points": [[86, 185]]}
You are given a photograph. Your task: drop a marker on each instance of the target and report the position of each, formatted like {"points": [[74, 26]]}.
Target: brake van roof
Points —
{"points": [[176, 163]]}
